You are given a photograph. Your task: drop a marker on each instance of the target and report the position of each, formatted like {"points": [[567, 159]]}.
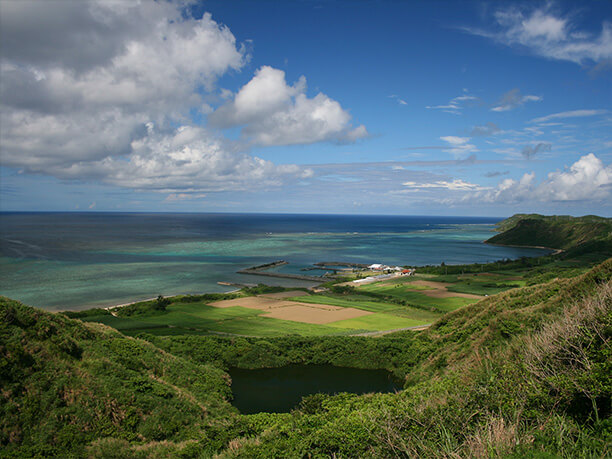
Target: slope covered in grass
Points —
{"points": [[537, 388], [557, 232], [66, 384], [521, 373]]}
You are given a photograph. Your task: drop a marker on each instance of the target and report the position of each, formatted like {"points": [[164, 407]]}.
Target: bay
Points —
{"points": [[60, 261]]}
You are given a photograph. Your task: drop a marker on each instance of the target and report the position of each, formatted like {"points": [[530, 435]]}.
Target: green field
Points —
{"points": [[406, 293], [422, 316], [398, 303], [377, 322], [395, 304], [198, 318], [358, 303]]}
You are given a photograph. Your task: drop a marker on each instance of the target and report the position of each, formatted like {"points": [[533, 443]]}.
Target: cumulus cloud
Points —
{"points": [[272, 112], [460, 146], [588, 179], [153, 61], [188, 160], [529, 151], [95, 92], [513, 99], [549, 35], [569, 114]]}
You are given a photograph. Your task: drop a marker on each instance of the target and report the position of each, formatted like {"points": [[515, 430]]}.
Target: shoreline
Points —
{"points": [[122, 305], [555, 251], [257, 271]]}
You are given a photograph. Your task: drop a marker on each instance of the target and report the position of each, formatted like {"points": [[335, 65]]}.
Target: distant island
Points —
{"points": [[510, 358]]}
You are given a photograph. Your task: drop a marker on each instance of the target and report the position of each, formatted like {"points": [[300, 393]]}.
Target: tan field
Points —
{"points": [[292, 310], [438, 290], [301, 312], [281, 295], [252, 302]]}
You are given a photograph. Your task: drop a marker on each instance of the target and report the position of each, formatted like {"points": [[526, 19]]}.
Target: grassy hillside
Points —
{"points": [[557, 232], [520, 373], [525, 372], [66, 385], [545, 393]]}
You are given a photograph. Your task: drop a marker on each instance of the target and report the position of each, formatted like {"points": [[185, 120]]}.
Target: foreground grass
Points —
{"points": [[199, 319], [523, 373]]}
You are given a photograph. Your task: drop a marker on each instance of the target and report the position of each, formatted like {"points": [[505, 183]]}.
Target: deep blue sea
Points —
{"points": [[60, 261]]}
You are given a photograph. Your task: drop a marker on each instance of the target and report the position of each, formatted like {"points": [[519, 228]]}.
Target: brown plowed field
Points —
{"points": [[314, 315], [281, 295], [292, 310], [252, 302], [438, 290]]}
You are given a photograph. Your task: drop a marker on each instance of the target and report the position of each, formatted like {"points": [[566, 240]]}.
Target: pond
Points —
{"points": [[278, 390]]}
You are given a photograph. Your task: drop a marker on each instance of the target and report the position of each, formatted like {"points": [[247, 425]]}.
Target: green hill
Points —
{"points": [[557, 232], [521, 373], [67, 385]]}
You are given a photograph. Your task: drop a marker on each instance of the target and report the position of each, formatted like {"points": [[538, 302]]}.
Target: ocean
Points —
{"points": [[61, 261]]}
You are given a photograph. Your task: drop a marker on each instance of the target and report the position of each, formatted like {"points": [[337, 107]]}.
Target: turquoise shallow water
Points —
{"points": [[75, 261]]}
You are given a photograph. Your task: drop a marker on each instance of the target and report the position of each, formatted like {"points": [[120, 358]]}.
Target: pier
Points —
{"points": [[325, 264], [283, 275], [260, 270]]}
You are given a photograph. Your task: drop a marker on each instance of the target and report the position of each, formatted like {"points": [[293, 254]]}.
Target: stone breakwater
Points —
{"points": [[260, 270], [286, 276]]}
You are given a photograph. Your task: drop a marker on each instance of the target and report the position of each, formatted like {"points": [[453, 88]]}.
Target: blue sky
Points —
{"points": [[440, 108]]}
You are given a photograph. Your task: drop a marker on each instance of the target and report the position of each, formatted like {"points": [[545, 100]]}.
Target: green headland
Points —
{"points": [[511, 358]]}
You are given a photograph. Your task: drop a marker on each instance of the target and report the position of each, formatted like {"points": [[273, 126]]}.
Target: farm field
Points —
{"points": [[391, 304], [424, 316], [276, 314], [436, 299]]}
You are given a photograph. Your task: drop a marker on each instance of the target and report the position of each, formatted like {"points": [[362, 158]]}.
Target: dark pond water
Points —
{"points": [[278, 390]]}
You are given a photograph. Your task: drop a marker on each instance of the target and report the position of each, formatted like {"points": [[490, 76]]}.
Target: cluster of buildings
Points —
{"points": [[388, 272], [391, 269]]}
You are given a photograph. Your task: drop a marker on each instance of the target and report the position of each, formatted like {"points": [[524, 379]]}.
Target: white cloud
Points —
{"points": [[399, 100], [456, 104], [143, 63], [588, 179], [513, 99], [569, 114], [275, 113], [175, 197], [460, 146], [187, 160], [95, 92], [549, 35], [456, 184]]}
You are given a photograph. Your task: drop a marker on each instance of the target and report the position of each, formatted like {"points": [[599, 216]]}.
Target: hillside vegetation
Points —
{"points": [[557, 232], [524, 372], [66, 385]]}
